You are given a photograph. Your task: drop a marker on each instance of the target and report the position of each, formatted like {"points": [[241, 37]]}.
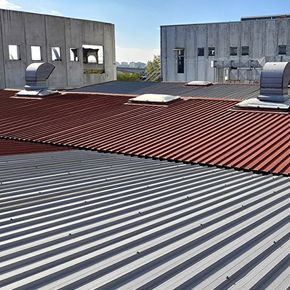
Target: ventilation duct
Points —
{"points": [[275, 78], [274, 81], [36, 76]]}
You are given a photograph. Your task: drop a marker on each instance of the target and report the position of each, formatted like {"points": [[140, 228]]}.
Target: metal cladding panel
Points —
{"points": [[9, 147], [199, 130], [233, 91], [90, 220]]}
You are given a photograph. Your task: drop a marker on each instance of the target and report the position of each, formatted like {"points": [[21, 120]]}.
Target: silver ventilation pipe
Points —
{"points": [[274, 81], [36, 76]]}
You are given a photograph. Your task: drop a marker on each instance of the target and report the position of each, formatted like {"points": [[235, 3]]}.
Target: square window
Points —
{"points": [[233, 50], [245, 50], [211, 51], [55, 53], [282, 49], [13, 51], [93, 54], [200, 51], [35, 52], [73, 54], [180, 61]]}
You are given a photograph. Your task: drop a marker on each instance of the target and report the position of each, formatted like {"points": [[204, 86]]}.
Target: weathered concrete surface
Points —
{"points": [[261, 35], [27, 29]]}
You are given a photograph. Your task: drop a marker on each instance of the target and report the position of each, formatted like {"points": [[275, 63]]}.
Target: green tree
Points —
{"points": [[153, 68]]}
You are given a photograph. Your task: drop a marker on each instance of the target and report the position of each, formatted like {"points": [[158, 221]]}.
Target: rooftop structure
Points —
{"points": [[196, 130], [222, 91], [224, 52], [11, 147], [89, 220], [82, 51]]}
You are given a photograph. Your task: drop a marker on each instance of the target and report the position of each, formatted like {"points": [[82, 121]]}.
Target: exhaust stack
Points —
{"points": [[36, 76], [274, 82]]}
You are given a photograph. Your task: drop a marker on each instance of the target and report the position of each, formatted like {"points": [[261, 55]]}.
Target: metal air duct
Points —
{"points": [[36, 76]]}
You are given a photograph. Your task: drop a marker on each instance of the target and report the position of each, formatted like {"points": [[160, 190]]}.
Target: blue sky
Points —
{"points": [[137, 22]]}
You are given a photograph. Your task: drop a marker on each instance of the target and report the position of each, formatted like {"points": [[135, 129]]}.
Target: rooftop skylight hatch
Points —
{"points": [[158, 99]]}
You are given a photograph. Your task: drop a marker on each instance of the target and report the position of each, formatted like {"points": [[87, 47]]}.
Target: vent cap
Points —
{"points": [[274, 82], [36, 76]]}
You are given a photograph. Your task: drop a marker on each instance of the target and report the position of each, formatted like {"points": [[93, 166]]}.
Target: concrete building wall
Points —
{"points": [[262, 36], [28, 29]]}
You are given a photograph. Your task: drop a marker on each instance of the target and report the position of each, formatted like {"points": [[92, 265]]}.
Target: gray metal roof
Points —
{"points": [[224, 91], [79, 219]]}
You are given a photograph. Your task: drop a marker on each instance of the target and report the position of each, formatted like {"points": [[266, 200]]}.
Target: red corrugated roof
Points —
{"points": [[8, 147], [202, 131]]}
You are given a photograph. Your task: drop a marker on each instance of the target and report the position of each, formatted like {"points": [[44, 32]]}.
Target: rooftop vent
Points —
{"points": [[36, 76], [199, 83], [154, 99], [274, 81]]}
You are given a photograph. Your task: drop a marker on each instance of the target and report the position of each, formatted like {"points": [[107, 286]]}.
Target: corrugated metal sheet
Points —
{"points": [[8, 147], [203, 131], [89, 220], [230, 91]]}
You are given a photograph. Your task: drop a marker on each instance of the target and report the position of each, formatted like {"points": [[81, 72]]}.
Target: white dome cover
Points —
{"points": [[199, 83], [155, 98]]}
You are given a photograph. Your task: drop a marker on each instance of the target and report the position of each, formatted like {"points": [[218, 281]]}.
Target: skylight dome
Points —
{"points": [[154, 98], [199, 83]]}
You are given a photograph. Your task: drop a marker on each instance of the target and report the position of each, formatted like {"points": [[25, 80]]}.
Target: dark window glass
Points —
{"points": [[211, 51], [282, 49], [180, 61], [233, 50], [200, 51], [245, 50]]}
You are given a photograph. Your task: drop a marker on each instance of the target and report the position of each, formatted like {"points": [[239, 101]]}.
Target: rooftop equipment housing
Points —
{"points": [[36, 76], [274, 82]]}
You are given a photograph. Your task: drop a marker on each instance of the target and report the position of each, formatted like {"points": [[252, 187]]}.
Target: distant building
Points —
{"points": [[82, 51], [224, 52]]}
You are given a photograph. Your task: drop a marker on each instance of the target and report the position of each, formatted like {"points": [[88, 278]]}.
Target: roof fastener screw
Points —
{"points": [[228, 277], [275, 242], [138, 252]]}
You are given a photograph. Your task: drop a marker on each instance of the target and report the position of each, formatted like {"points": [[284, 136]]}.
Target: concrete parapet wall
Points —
{"points": [[29, 29]]}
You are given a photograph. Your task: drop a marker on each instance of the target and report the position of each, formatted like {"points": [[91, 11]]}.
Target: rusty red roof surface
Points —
{"points": [[197, 130], [9, 147]]}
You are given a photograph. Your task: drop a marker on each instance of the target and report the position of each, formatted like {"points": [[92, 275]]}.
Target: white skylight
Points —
{"points": [[199, 83], [155, 98]]}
